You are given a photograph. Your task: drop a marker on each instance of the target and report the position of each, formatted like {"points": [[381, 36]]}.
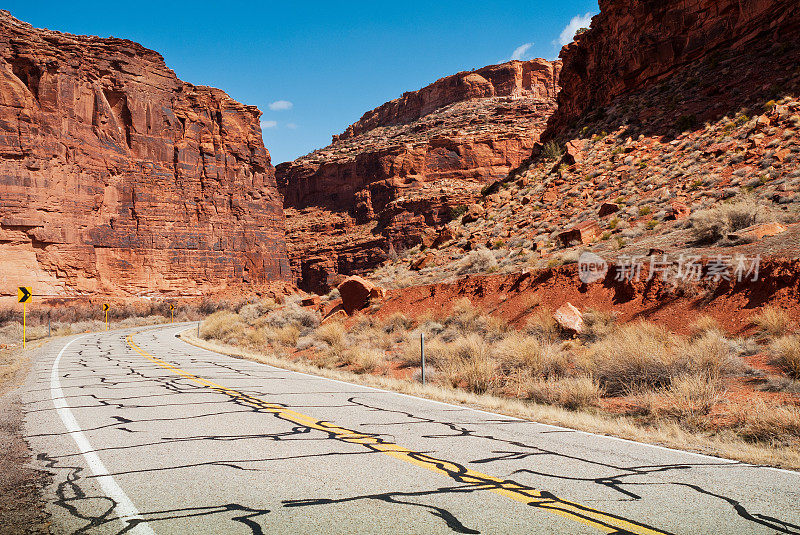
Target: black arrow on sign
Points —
{"points": [[24, 294], [105, 307]]}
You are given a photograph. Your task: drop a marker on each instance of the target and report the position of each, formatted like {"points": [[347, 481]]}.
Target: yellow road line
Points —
{"points": [[605, 522]]}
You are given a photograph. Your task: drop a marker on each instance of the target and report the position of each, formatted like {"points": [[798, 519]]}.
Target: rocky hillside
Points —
{"points": [[395, 176], [119, 178], [699, 158]]}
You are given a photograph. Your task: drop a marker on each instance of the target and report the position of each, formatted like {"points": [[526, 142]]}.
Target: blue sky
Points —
{"points": [[320, 65]]}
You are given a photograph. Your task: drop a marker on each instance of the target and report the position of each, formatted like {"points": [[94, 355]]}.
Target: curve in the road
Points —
{"points": [[605, 522]]}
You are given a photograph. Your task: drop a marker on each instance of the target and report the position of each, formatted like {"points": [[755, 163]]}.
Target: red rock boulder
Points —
{"points": [[569, 318], [356, 293]]}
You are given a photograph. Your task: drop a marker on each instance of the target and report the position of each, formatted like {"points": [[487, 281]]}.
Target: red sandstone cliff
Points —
{"points": [[117, 177], [396, 173], [634, 44]]}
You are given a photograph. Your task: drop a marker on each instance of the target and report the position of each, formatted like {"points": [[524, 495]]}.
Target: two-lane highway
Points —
{"points": [[146, 434]]}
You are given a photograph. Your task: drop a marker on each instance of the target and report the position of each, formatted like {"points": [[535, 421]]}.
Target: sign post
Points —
{"points": [[172, 312], [422, 354], [105, 309], [24, 295]]}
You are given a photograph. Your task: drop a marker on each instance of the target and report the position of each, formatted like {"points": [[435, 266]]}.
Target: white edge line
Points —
{"points": [[124, 507], [464, 407]]}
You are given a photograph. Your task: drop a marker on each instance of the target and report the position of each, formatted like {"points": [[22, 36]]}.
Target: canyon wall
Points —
{"points": [[634, 44], [117, 177], [394, 176]]}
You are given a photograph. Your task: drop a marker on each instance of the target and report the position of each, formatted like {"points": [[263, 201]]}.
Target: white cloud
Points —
{"points": [[577, 22], [269, 124], [280, 105], [521, 51], [291, 126]]}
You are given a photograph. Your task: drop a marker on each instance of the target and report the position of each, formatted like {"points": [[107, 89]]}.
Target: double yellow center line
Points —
{"points": [[605, 522]]}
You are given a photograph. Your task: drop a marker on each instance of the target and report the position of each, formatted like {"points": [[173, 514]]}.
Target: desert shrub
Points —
{"points": [[286, 336], [760, 421], [552, 151], [531, 355], [703, 325], [543, 324], [457, 211], [221, 325], [686, 398], [364, 360], [715, 223], [467, 362], [478, 261], [465, 318], [772, 322], [250, 312], [634, 356], [597, 325], [569, 392], [711, 354], [293, 315], [787, 354], [333, 334], [398, 322]]}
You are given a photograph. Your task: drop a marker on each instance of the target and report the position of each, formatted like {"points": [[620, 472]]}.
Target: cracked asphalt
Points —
{"points": [[143, 433]]}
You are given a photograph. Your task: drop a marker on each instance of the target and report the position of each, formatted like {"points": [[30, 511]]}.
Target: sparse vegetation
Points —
{"points": [[716, 223], [552, 151], [666, 379]]}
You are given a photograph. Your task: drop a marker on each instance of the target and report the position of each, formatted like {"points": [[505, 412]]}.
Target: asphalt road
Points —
{"points": [[146, 434]]}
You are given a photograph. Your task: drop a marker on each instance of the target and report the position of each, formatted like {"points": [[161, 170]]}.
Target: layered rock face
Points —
{"points": [[394, 176], [634, 44], [117, 177]]}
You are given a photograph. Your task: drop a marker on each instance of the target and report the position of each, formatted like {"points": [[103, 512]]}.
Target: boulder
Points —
{"points": [[573, 152], [445, 235], [474, 213], [569, 318], [421, 262], [310, 301], [584, 233], [608, 208], [678, 210], [355, 293], [758, 232]]}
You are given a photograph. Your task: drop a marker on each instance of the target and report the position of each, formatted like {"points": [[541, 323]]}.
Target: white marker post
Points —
{"points": [[422, 353]]}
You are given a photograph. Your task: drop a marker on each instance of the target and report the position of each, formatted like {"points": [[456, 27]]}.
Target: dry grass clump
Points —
{"points": [[334, 334], [222, 325], [398, 322], [760, 421], [286, 336], [703, 325], [543, 325], [687, 397], [716, 223], [466, 362], [772, 322], [364, 360], [597, 325], [568, 392], [787, 354], [637, 355], [480, 260], [531, 355], [711, 354]]}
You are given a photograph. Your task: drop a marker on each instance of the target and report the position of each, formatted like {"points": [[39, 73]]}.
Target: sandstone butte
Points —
{"points": [[116, 177], [393, 177]]}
